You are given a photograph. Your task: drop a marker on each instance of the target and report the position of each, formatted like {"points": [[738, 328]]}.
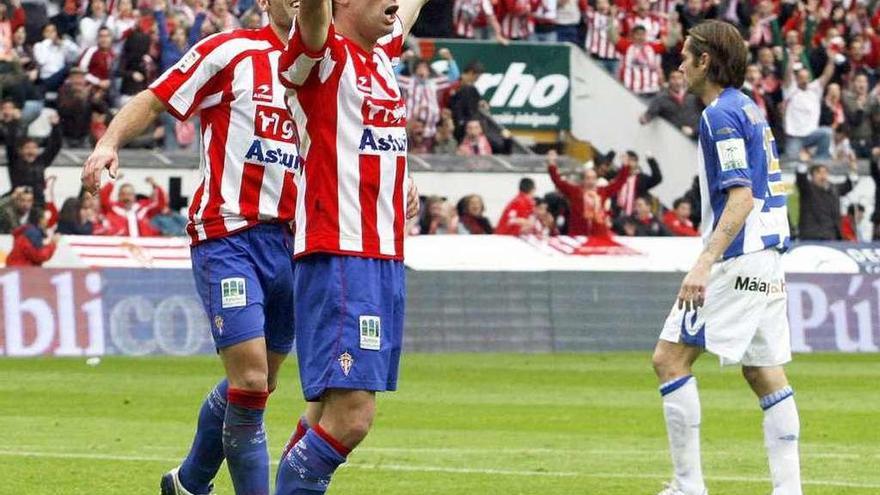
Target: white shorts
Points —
{"points": [[744, 318]]}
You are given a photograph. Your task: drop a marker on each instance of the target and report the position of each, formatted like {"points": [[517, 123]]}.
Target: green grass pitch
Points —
{"points": [[460, 424]]}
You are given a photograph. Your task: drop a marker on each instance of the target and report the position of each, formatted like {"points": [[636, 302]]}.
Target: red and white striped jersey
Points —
{"points": [[597, 42], [250, 145], [655, 25], [470, 14], [517, 20], [422, 97], [352, 119], [640, 68]]}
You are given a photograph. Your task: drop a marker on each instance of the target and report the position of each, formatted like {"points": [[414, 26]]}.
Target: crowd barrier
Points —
{"points": [[136, 297]]}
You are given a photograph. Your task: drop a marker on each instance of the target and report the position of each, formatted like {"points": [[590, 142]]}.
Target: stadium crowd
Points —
{"points": [[67, 66]]}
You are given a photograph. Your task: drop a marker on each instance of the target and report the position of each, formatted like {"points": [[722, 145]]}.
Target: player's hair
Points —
{"points": [[632, 154], [727, 51], [526, 185], [679, 201], [639, 27]]}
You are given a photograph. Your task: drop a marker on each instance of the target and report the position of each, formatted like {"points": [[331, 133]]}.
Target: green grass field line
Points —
{"points": [[465, 423]]}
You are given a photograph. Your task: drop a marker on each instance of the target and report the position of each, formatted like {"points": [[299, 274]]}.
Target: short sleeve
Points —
{"points": [[392, 44], [726, 146], [298, 62], [183, 87]]}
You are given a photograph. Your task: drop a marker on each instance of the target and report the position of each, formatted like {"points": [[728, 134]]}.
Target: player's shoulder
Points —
{"points": [[729, 109], [232, 42]]}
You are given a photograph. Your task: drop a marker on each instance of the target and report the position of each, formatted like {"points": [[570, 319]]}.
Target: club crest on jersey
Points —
{"points": [[346, 362], [275, 124], [379, 112], [263, 92], [218, 322]]}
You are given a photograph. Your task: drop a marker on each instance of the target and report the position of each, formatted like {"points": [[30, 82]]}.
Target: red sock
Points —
{"points": [[302, 426]]}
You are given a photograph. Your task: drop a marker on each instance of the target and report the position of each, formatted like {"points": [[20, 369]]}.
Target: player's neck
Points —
{"points": [[348, 30], [281, 32], [710, 93]]}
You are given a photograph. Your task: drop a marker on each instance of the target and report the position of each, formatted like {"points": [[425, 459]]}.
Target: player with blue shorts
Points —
{"points": [[732, 303], [239, 227], [349, 274]]}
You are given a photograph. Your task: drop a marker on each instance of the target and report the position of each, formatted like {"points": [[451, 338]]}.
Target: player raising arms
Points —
{"points": [[238, 225], [732, 302], [349, 273]]}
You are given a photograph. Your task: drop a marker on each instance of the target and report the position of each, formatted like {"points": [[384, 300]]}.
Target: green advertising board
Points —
{"points": [[527, 85]]}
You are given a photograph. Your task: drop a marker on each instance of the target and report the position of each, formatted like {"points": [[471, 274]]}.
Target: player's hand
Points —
{"points": [[412, 200], [56, 238], [692, 294], [151, 181], [552, 157], [103, 157], [445, 54]]}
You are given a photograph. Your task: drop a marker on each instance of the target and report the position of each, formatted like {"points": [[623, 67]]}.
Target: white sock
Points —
{"points": [[681, 407], [781, 433]]}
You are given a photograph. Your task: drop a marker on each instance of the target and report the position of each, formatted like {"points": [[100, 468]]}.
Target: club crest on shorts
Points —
{"points": [[346, 362], [371, 332], [218, 322]]}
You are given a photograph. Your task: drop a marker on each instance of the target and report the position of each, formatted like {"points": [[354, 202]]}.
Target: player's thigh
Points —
{"points": [[771, 345], [674, 359], [246, 364], [229, 286], [274, 362]]}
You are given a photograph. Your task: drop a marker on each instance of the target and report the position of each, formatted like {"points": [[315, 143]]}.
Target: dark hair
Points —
{"points": [[679, 201], [526, 185], [842, 128], [69, 213], [26, 140], [632, 154], [727, 52], [815, 168], [475, 67], [639, 27], [105, 28], [851, 209]]}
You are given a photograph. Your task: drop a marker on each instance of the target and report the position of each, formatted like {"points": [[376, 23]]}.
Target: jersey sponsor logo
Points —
{"points": [[233, 292], [276, 124], [379, 112], [732, 154], [270, 156], [371, 141], [364, 83], [345, 362], [188, 61], [371, 332], [754, 284], [263, 92]]}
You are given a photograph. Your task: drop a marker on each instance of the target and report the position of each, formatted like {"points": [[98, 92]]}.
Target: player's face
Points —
{"points": [[676, 81], [475, 206], [693, 74], [861, 84], [282, 12], [29, 151], [98, 8], [602, 5], [24, 202], [803, 78], [820, 176], [590, 179], [105, 39], [642, 208]]}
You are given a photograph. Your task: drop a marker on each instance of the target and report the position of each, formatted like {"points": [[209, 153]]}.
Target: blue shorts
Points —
{"points": [[245, 281], [349, 329]]}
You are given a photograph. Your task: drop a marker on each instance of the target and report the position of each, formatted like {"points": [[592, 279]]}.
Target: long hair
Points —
{"points": [[728, 55]]}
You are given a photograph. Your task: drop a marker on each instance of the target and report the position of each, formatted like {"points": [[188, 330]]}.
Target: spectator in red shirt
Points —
{"points": [[131, 217], [678, 219], [97, 62], [518, 215], [849, 224], [587, 199], [642, 222], [28, 246]]}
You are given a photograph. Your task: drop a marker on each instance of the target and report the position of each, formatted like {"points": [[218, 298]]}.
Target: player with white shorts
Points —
{"points": [[732, 302]]}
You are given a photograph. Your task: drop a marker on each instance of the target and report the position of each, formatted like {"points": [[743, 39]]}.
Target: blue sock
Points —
{"points": [[244, 442], [206, 454], [309, 465]]}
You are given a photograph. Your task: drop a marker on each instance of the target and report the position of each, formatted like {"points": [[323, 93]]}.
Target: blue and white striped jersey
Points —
{"points": [[737, 149]]}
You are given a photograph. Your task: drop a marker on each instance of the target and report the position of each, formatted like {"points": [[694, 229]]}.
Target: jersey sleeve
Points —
{"points": [[183, 87], [392, 44], [298, 62], [726, 149]]}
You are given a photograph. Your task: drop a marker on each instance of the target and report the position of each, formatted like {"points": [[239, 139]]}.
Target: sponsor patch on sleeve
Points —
{"points": [[732, 154], [186, 63]]}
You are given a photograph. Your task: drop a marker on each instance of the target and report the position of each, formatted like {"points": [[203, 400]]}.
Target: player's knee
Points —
{"points": [[752, 375], [358, 424], [253, 380], [661, 362]]}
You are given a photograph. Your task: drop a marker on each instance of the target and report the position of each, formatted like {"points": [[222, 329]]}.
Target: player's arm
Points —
{"points": [[134, 118], [313, 23], [739, 205], [827, 72], [409, 11]]}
